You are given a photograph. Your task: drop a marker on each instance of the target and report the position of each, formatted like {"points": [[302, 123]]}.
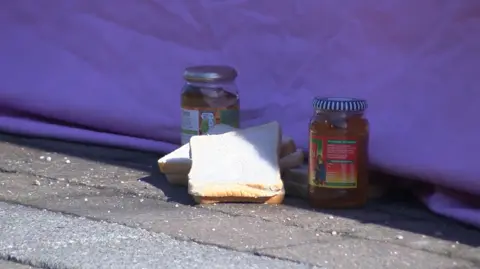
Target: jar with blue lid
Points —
{"points": [[338, 153]]}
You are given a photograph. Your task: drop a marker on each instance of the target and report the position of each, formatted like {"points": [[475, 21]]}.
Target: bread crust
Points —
{"points": [[175, 167], [276, 199], [237, 190]]}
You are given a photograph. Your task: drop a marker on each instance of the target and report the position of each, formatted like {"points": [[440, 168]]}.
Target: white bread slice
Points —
{"points": [[296, 181], [178, 161], [288, 146], [240, 166], [177, 179], [292, 160]]}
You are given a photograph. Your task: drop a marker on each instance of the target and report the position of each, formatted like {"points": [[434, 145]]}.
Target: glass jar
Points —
{"points": [[338, 153], [208, 97]]}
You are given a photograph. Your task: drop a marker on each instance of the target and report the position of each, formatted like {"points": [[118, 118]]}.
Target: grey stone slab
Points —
{"points": [[297, 212], [70, 168], [130, 172], [13, 265], [238, 231], [431, 237], [125, 187], [302, 216], [46, 239], [469, 254], [202, 225], [437, 235], [354, 253]]}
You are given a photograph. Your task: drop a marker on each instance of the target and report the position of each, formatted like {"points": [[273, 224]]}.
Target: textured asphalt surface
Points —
{"points": [[13, 265], [67, 205], [57, 241]]}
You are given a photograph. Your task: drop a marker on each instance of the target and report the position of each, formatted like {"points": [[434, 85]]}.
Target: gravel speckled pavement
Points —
{"points": [[13, 265], [67, 205]]}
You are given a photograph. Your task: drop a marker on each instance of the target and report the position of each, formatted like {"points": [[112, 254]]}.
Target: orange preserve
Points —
{"points": [[209, 96], [338, 153]]}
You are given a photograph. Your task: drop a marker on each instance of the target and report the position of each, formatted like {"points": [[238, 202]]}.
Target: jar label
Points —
{"points": [[198, 121], [333, 162]]}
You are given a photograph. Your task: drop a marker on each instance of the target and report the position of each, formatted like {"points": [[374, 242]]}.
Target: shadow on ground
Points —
{"points": [[147, 161]]}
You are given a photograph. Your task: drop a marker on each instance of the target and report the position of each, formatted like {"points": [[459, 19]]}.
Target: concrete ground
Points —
{"points": [[66, 205]]}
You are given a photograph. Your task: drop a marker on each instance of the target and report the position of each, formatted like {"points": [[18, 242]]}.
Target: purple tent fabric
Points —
{"points": [[109, 72]]}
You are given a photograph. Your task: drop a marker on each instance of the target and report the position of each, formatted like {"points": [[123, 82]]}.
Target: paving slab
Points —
{"points": [[13, 265], [125, 187], [50, 240], [180, 221], [382, 222], [354, 253], [79, 170]]}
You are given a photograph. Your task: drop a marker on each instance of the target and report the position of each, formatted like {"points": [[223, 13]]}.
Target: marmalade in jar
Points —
{"points": [[338, 153], [208, 97]]}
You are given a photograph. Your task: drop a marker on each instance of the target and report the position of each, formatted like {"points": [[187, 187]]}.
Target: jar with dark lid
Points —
{"points": [[338, 153], [209, 96]]}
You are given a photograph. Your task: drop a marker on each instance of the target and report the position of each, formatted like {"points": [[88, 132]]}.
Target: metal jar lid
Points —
{"points": [[339, 104], [210, 73]]}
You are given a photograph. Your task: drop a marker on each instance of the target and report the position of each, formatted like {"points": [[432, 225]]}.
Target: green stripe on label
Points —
{"points": [[341, 141], [340, 161]]}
